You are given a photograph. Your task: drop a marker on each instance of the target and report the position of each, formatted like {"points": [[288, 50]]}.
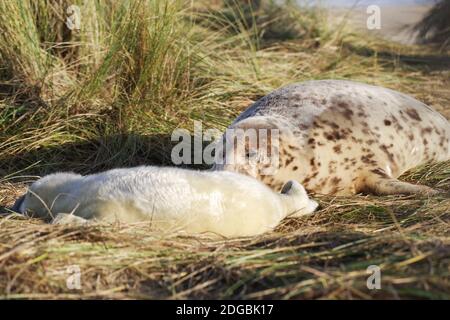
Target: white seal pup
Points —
{"points": [[225, 203], [341, 137]]}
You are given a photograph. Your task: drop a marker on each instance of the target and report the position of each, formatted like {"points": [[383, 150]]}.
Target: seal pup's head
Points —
{"points": [[296, 200]]}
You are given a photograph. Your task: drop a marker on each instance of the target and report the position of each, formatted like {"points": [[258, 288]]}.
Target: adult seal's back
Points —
{"points": [[340, 137]]}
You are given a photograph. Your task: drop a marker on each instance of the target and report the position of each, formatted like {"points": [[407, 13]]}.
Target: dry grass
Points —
{"points": [[322, 256], [112, 101]]}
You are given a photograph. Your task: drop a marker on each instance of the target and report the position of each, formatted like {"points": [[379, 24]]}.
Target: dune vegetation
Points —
{"points": [[109, 94], [434, 28]]}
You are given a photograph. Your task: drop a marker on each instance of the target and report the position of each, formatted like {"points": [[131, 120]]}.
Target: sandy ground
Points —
{"points": [[396, 21]]}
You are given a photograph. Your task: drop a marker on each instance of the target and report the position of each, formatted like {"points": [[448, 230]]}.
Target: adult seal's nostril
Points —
{"points": [[18, 204]]}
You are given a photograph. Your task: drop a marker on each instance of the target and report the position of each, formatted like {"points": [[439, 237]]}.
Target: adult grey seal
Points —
{"points": [[341, 137]]}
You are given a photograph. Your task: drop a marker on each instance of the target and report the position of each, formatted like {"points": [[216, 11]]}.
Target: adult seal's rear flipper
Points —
{"points": [[381, 184]]}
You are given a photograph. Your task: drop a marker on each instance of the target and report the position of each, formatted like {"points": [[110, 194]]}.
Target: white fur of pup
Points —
{"points": [[225, 203]]}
